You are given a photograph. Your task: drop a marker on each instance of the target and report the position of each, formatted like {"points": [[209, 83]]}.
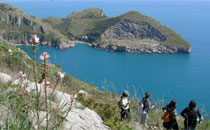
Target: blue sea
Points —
{"points": [[183, 77]]}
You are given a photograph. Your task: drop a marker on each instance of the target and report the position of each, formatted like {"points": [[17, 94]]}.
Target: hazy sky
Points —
{"points": [[5, 1], [105, 0]]}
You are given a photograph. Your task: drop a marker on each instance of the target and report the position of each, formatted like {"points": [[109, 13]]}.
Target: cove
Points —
{"points": [[166, 76]]}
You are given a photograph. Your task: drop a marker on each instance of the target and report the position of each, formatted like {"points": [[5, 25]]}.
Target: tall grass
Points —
{"points": [[31, 110]]}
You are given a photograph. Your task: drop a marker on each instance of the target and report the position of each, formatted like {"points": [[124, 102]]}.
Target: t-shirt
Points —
{"points": [[125, 103]]}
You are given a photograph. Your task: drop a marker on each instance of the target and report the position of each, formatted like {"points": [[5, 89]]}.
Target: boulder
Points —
{"points": [[4, 78], [83, 92], [84, 119], [62, 46], [121, 49], [33, 118]]}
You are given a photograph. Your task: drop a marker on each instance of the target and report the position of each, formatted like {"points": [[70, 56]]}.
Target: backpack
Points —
{"points": [[146, 105], [142, 106], [192, 115], [166, 117], [119, 103]]}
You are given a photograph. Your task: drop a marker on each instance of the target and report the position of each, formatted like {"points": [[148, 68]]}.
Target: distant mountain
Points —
{"points": [[130, 32]]}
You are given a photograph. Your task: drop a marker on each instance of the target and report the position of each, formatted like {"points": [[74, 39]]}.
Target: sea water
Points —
{"points": [[166, 76]]}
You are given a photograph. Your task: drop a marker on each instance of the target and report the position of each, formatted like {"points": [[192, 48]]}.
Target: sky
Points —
{"points": [[104, 0]]}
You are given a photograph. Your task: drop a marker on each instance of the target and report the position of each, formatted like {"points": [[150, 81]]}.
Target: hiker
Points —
{"points": [[125, 109], [171, 110], [144, 107], [190, 114]]}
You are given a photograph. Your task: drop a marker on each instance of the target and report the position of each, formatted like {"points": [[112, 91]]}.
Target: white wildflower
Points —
{"points": [[60, 75], [10, 51], [45, 83], [20, 74], [22, 77], [73, 97], [34, 39], [44, 56]]}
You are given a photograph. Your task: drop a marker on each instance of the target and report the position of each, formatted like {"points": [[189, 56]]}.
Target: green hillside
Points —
{"points": [[16, 26]]}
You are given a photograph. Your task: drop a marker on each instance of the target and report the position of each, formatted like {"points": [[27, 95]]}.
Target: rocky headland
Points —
{"points": [[129, 32]]}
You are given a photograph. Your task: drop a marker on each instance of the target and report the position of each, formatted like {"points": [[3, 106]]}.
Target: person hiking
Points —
{"points": [[171, 109], [145, 106], [190, 114], [125, 109]]}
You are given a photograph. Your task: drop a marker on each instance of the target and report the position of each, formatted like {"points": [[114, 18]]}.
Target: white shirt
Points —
{"points": [[125, 102]]}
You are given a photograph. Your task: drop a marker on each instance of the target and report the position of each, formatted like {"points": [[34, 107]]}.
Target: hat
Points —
{"points": [[126, 93]]}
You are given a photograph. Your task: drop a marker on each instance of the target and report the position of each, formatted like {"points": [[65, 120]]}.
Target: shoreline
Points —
{"points": [[115, 48], [125, 49], [141, 49]]}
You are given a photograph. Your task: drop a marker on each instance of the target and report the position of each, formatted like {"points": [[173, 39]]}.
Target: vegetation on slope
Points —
{"points": [[17, 26], [172, 39]]}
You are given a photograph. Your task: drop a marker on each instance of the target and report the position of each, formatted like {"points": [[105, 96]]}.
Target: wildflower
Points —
{"points": [[60, 75], [44, 56], [10, 51], [73, 97], [34, 39], [26, 92], [21, 74], [45, 83]]}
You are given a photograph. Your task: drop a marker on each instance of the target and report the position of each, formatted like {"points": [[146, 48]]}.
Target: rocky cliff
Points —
{"points": [[158, 49], [17, 27], [133, 30]]}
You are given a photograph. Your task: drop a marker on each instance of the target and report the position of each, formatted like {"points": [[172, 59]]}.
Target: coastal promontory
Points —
{"points": [[129, 32]]}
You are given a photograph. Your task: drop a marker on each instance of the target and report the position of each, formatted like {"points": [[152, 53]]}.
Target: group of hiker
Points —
{"points": [[190, 114]]}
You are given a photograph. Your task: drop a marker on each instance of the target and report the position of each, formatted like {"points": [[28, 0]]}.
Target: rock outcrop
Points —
{"points": [[135, 36], [86, 119], [4, 78], [17, 27], [141, 49], [133, 30], [61, 45]]}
